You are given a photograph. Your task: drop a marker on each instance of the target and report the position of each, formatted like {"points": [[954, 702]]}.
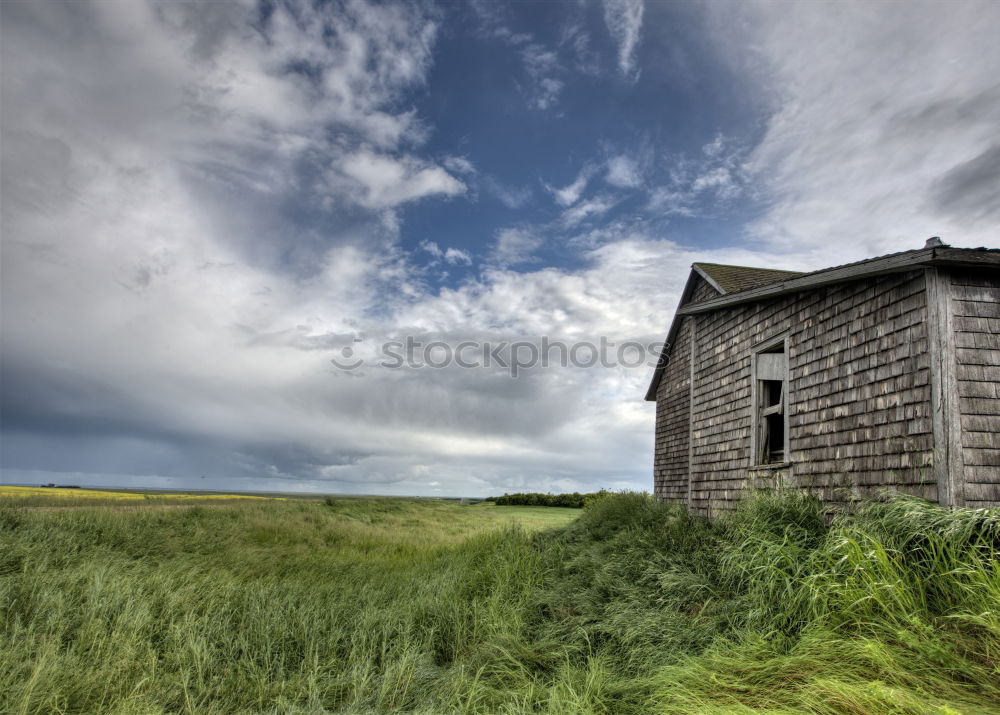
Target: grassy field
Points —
{"points": [[387, 605]]}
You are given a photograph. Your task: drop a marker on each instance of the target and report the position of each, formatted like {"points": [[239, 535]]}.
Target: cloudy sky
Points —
{"points": [[215, 214]]}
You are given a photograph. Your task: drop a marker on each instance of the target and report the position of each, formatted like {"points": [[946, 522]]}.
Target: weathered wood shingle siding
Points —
{"points": [[859, 398], [673, 409], [975, 308], [860, 415]]}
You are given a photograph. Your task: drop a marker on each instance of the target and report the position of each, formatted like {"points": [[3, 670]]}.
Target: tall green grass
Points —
{"points": [[389, 606]]}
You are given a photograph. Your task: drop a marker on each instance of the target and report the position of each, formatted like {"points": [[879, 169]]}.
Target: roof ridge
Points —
{"points": [[750, 268], [863, 260], [889, 263]]}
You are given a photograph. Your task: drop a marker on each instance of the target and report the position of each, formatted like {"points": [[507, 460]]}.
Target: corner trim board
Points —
{"points": [[946, 420]]}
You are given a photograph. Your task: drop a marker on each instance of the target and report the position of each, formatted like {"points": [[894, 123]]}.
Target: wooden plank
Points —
{"points": [[977, 278], [981, 423], [952, 404], [983, 475], [981, 440], [971, 388], [989, 457], [975, 356], [979, 406], [983, 293], [941, 407], [967, 257], [772, 366], [968, 324], [986, 310], [979, 341], [983, 492], [979, 373]]}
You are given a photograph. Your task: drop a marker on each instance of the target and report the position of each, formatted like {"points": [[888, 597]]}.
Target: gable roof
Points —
{"points": [[882, 265], [732, 279], [723, 279], [772, 283]]}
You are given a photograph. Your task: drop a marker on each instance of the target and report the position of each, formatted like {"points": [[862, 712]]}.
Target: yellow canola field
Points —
{"points": [[25, 492]]}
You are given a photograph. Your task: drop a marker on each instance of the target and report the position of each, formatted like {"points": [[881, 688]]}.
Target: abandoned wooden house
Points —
{"points": [[848, 381]]}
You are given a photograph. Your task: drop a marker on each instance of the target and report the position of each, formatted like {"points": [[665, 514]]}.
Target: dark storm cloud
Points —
{"points": [[859, 139], [971, 191]]}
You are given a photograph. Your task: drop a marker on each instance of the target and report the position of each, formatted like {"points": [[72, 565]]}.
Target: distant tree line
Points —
{"points": [[576, 500]]}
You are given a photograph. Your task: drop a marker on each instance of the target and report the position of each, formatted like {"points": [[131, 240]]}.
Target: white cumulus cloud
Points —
{"points": [[384, 181], [624, 172]]}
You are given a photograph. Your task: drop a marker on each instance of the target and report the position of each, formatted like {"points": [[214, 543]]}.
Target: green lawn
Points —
{"points": [[384, 605]]}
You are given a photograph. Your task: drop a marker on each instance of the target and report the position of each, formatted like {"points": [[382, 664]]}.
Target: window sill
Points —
{"points": [[772, 466]]}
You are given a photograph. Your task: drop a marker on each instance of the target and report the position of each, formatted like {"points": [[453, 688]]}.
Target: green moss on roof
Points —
{"points": [[733, 279]]}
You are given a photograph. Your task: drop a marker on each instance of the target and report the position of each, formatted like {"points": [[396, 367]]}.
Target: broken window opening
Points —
{"points": [[771, 418]]}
